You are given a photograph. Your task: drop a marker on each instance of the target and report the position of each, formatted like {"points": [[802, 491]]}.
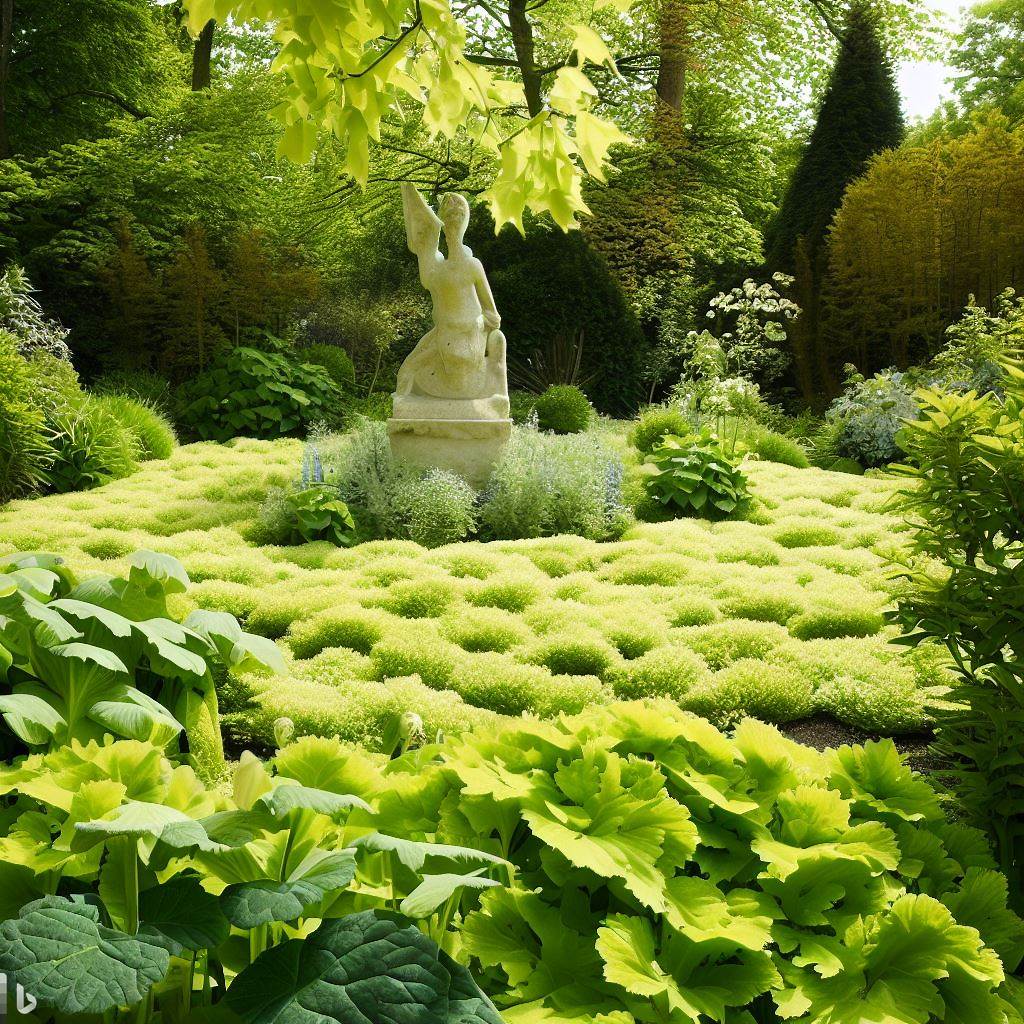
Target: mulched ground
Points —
{"points": [[821, 731]]}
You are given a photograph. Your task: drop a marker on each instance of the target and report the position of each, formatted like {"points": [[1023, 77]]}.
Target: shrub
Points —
{"points": [[553, 284], [574, 654], [24, 452], [977, 346], [355, 628], [373, 485], [692, 610], [429, 658], [768, 605], [694, 475], [654, 424], [634, 636], [966, 481], [508, 593], [773, 447], [440, 508], [722, 643], [335, 360], [150, 427], [521, 406], [257, 393], [418, 599], [485, 629], [23, 317], [545, 485], [774, 693], [868, 416], [887, 705], [829, 623], [799, 533], [90, 446], [148, 388], [563, 408], [669, 671]]}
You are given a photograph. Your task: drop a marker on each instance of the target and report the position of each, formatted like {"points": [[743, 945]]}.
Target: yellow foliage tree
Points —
{"points": [[354, 65], [925, 228]]}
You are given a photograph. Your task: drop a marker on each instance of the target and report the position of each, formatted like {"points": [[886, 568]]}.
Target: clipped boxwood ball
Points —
{"points": [[564, 409]]}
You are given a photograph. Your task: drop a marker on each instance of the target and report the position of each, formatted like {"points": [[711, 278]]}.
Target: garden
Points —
{"points": [[511, 513]]}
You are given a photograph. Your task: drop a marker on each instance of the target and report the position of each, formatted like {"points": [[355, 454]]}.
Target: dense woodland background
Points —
{"points": [[141, 192]]}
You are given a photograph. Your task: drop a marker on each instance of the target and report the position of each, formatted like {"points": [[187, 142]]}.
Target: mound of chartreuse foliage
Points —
{"points": [[630, 864], [778, 616]]}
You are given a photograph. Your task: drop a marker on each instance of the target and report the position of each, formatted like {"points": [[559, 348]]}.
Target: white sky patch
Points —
{"points": [[923, 84]]}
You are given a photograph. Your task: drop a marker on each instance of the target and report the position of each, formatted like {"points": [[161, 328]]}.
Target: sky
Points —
{"points": [[922, 83]]}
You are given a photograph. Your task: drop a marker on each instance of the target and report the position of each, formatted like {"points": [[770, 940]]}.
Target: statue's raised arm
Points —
{"points": [[422, 225]]}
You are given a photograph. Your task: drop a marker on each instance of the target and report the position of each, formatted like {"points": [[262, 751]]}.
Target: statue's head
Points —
{"points": [[454, 213]]}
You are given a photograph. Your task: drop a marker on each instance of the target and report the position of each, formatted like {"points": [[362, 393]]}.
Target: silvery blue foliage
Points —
{"points": [[872, 412]]}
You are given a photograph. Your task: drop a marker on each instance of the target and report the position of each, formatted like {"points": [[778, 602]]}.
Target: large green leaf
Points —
{"points": [[244, 652], [876, 778], [135, 715], [288, 797], [31, 718], [980, 902], [180, 915], [434, 890], [542, 954], [136, 818], [318, 874], [60, 953], [367, 968], [692, 983], [164, 643], [152, 571], [611, 815], [466, 1003], [414, 855]]}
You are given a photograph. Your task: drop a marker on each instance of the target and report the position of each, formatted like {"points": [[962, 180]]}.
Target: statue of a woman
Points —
{"points": [[463, 356]]}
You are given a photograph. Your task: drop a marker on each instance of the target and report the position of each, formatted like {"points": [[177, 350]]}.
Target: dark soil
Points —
{"points": [[821, 732]]}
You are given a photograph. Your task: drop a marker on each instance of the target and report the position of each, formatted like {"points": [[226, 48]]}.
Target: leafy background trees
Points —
{"points": [[164, 216]]}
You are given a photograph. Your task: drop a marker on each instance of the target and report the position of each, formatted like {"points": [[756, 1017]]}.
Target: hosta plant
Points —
{"points": [[670, 873], [695, 475], [132, 892], [79, 659], [318, 513]]}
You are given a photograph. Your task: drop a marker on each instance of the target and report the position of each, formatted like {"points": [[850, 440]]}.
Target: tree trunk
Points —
{"points": [[522, 39], [673, 64], [202, 52], [674, 51], [6, 31]]}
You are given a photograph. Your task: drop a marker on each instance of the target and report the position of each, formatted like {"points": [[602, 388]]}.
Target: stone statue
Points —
{"points": [[450, 407]]}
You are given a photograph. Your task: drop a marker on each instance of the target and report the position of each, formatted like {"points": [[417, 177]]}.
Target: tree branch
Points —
{"points": [[97, 94], [830, 23]]}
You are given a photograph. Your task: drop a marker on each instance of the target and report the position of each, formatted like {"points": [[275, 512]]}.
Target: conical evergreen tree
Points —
{"points": [[859, 116]]}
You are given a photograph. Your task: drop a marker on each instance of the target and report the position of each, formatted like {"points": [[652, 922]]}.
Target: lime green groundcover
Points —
{"points": [[779, 617]]}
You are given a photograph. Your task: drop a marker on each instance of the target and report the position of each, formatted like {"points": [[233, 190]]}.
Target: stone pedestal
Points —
{"points": [[469, 447]]}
